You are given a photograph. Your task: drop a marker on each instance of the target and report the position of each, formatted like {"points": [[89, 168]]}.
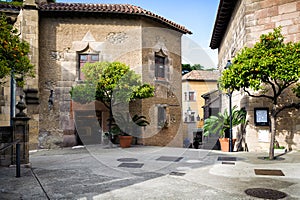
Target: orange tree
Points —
{"points": [[267, 70], [110, 83], [13, 54]]}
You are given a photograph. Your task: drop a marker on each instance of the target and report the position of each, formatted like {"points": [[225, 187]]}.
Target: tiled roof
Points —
{"points": [[8, 7], [225, 10], [202, 75], [109, 8]]}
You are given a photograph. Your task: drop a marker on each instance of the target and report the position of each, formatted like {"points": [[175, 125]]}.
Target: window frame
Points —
{"points": [[81, 63], [160, 67]]}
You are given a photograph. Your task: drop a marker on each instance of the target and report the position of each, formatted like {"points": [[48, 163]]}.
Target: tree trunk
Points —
{"points": [[273, 132], [110, 125]]}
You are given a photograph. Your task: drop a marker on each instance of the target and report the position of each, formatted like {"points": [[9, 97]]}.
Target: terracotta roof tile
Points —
{"points": [[8, 7], [198, 75], [109, 8]]}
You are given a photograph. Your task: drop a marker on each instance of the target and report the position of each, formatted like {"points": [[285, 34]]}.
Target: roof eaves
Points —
{"points": [[223, 17], [110, 8]]}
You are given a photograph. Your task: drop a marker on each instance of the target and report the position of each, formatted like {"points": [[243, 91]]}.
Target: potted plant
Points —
{"points": [[125, 127], [279, 149], [220, 124], [111, 84]]}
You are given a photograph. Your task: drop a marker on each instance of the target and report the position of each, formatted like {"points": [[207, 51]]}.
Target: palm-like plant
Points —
{"points": [[124, 125], [220, 123]]}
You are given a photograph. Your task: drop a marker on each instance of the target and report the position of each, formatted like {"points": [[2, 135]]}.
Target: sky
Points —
{"points": [[196, 15]]}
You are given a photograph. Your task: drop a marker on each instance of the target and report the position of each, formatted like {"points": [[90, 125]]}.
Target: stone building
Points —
{"points": [[65, 36], [239, 24]]}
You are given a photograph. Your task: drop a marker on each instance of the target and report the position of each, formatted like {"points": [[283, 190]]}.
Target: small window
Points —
{"points": [[83, 58], [161, 116], [189, 96], [159, 67], [95, 58]]}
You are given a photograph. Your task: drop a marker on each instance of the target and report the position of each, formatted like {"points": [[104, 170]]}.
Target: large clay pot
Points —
{"points": [[224, 142], [125, 141]]}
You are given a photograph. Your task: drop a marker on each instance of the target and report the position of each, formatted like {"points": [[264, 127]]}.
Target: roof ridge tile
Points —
{"points": [[110, 8]]}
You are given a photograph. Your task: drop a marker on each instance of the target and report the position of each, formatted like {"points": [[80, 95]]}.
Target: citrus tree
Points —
{"points": [[13, 54], [267, 70], [110, 83]]}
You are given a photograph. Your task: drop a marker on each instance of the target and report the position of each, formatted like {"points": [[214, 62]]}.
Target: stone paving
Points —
{"points": [[97, 172]]}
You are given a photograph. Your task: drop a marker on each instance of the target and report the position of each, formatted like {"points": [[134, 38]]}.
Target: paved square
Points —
{"points": [[223, 158], [169, 158], [131, 165], [268, 172]]}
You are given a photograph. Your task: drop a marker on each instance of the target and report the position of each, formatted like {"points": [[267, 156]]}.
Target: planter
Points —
{"points": [[125, 141], [224, 142], [280, 151]]}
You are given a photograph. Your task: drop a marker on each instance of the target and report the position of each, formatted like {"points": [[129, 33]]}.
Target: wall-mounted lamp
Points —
{"points": [[228, 64], [51, 100], [198, 118]]}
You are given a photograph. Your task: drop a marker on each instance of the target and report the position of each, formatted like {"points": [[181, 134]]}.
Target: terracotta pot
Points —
{"points": [[125, 141], [225, 143]]}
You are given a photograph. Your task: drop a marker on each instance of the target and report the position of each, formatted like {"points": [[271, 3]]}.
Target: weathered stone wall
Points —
{"points": [[27, 25], [250, 19], [29, 20], [114, 39], [157, 39]]}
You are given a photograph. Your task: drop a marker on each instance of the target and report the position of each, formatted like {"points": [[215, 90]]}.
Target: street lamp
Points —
{"points": [[230, 111]]}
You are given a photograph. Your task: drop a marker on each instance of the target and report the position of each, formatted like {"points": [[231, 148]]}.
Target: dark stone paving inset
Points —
{"points": [[228, 163], [177, 173], [127, 159], [169, 158], [131, 165], [265, 193], [268, 172], [223, 158]]}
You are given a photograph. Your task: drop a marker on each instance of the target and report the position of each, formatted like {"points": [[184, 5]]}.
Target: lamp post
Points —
{"points": [[230, 112], [12, 97]]}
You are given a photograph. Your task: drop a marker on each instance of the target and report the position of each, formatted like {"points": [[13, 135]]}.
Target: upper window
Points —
{"points": [[190, 96], [86, 58], [160, 67]]}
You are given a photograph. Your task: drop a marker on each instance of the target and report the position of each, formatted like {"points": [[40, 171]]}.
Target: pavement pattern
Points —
{"points": [[141, 172]]}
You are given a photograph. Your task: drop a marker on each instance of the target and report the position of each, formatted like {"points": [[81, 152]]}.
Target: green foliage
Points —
{"points": [[93, 71], [83, 93], [109, 83], [124, 125], [270, 67], [270, 64], [86, 92], [118, 83], [218, 124], [14, 3], [186, 68], [13, 54]]}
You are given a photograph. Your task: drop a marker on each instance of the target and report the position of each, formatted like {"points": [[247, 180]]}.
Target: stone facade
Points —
{"points": [[250, 19], [56, 42]]}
